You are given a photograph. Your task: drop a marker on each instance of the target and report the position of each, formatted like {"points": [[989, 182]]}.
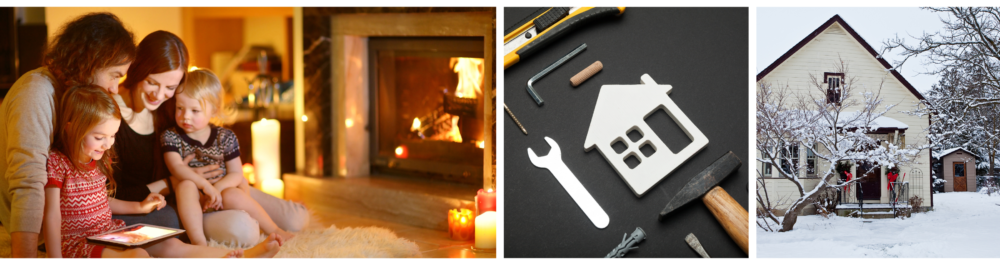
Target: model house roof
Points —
{"points": [[818, 31]]}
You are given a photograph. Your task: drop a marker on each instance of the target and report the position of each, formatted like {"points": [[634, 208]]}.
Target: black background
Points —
{"points": [[703, 54]]}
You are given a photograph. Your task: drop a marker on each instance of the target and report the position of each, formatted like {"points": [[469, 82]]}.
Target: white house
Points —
{"points": [[621, 110], [818, 55]]}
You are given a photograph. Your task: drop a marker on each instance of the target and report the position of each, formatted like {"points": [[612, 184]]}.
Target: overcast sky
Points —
{"points": [[778, 29]]}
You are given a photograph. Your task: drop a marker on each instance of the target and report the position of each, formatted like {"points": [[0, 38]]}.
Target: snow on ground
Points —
{"points": [[962, 225]]}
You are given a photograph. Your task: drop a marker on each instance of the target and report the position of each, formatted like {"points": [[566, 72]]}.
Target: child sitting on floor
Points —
{"points": [[77, 204], [198, 104]]}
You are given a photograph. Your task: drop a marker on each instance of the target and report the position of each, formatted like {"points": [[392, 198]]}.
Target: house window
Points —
{"points": [[834, 87], [810, 162], [766, 169], [959, 169], [790, 153]]}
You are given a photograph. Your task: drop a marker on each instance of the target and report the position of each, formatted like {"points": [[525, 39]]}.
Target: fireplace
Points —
{"points": [[372, 74], [426, 103]]}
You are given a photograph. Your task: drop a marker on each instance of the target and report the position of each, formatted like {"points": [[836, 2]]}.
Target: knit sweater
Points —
{"points": [[27, 119]]}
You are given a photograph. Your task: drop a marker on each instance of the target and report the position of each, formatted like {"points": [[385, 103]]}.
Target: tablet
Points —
{"points": [[136, 235]]}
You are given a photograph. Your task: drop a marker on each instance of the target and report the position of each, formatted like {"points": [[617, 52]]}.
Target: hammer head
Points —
{"points": [[704, 181]]}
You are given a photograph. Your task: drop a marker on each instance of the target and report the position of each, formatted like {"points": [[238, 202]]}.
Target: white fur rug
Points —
{"points": [[351, 242]]}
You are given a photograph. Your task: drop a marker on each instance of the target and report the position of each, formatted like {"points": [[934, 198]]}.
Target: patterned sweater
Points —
{"points": [[220, 147], [83, 203]]}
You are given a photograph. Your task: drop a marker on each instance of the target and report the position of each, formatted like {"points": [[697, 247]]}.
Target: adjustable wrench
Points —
{"points": [[553, 162]]}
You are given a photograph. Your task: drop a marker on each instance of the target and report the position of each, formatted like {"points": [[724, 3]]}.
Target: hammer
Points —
{"points": [[734, 218]]}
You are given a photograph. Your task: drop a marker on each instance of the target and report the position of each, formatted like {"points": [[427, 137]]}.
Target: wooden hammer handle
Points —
{"points": [[732, 215]]}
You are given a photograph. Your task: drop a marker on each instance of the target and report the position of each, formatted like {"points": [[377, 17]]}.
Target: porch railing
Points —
{"points": [[899, 194]]}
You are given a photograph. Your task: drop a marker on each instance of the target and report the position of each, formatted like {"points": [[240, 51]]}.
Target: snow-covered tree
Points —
{"points": [[970, 40], [833, 130]]}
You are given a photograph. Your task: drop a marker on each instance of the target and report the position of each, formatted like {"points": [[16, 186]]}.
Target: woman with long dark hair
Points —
{"points": [[92, 49]]}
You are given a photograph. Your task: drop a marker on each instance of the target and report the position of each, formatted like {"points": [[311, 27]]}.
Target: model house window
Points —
{"points": [[810, 162], [790, 153], [834, 87], [959, 169]]}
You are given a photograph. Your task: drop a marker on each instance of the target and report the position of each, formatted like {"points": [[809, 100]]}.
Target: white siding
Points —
{"points": [[823, 54]]}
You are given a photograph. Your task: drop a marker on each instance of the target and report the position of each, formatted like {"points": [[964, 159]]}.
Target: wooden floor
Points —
{"points": [[432, 243]]}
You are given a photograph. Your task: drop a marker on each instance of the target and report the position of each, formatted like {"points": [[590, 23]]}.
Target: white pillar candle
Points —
{"points": [[486, 230], [275, 187], [266, 149]]}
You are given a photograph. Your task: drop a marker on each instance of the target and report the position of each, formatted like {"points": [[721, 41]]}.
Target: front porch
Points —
{"points": [[854, 203]]}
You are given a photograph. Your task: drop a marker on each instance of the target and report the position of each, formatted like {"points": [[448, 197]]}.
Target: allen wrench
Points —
{"points": [[531, 90]]}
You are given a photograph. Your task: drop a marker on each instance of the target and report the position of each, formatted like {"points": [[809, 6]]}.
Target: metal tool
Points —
{"points": [[627, 244], [693, 242], [553, 162], [621, 109], [733, 217], [534, 35], [515, 119], [531, 90]]}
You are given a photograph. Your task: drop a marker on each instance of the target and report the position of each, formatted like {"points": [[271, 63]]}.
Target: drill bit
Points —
{"points": [[515, 119]]}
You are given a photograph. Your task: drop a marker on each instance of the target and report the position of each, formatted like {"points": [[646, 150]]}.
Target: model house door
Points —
{"points": [[960, 177], [871, 184]]}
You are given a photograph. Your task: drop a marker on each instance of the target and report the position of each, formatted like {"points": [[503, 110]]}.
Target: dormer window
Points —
{"points": [[834, 87]]}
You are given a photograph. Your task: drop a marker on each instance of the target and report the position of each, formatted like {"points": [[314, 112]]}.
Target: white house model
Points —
{"points": [[623, 108]]}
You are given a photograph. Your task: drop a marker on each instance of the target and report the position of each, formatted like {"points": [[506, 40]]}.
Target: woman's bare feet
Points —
{"points": [[266, 249], [234, 254]]}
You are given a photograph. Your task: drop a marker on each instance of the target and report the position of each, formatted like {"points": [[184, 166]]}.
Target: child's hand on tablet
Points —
{"points": [[154, 201]]}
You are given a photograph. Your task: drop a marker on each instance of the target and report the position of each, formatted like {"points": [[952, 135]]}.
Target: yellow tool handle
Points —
{"points": [[572, 21]]}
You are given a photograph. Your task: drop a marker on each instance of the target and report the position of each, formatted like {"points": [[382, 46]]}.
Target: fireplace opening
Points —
{"points": [[427, 103]]}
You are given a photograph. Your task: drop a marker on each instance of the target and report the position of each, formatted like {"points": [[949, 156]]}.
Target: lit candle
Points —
{"points": [[249, 174], [486, 231], [402, 152], [266, 136], [486, 200], [275, 187], [460, 225]]}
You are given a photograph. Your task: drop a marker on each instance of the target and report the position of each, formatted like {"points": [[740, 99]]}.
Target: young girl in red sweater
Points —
{"points": [[77, 201]]}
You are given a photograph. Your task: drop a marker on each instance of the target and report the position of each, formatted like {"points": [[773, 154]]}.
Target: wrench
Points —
{"points": [[553, 162]]}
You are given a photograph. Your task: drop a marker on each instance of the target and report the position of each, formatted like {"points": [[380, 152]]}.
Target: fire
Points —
{"points": [[470, 76], [454, 134], [481, 144], [416, 125]]}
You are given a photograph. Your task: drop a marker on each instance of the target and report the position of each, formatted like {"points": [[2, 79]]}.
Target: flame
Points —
{"points": [[481, 144], [416, 125], [454, 134], [470, 76]]}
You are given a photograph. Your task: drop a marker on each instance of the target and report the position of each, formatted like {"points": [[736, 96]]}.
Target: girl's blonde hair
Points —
{"points": [[204, 86], [82, 108]]}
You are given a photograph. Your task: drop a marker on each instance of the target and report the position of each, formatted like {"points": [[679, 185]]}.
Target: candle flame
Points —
{"points": [[399, 150], [306, 118], [349, 123], [463, 219], [481, 144], [489, 190]]}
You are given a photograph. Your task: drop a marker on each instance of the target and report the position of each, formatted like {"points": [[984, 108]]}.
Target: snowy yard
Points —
{"points": [[962, 225]]}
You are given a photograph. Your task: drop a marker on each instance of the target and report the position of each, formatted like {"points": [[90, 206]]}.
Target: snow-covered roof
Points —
{"points": [[938, 155], [886, 122]]}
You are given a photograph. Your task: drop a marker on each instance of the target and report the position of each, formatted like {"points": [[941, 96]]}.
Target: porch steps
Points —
{"points": [[873, 211], [416, 202]]}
